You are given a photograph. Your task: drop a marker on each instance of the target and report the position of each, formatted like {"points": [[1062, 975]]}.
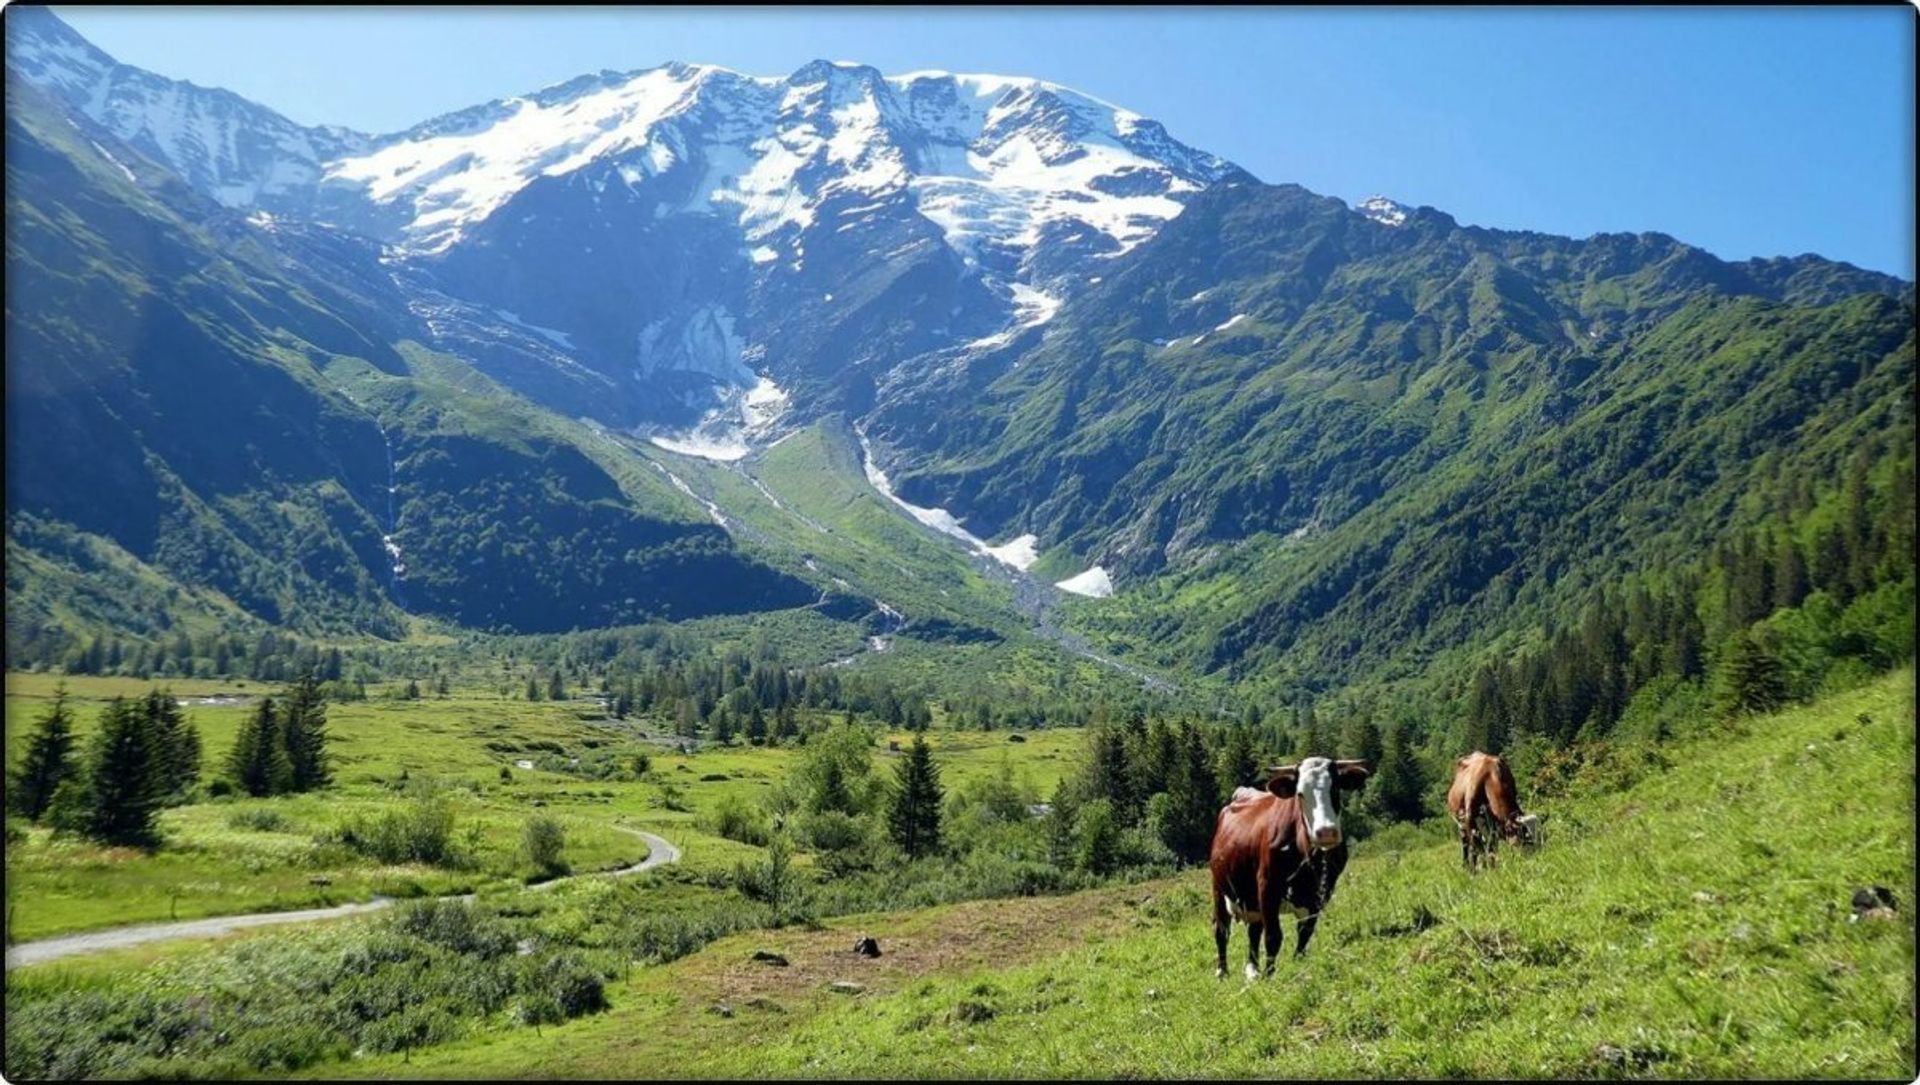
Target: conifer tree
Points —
{"points": [[124, 801], [257, 763], [914, 820], [303, 734], [48, 762], [1399, 784], [1239, 764], [176, 762]]}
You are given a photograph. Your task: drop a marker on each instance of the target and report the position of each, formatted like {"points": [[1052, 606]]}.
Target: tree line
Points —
{"points": [[145, 755]]}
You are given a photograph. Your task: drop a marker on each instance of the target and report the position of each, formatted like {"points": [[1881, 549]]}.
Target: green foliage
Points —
{"points": [[48, 763], [545, 841], [258, 763], [120, 777], [913, 819], [422, 831]]}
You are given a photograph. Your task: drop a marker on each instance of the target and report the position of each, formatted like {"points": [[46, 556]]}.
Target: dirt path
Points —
{"points": [[659, 853]]}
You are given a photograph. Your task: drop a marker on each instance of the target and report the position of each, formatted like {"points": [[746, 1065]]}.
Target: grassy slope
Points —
{"points": [[210, 867], [1692, 924]]}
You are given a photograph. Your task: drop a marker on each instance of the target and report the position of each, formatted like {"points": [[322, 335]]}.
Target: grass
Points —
{"points": [[213, 864], [1691, 923]]}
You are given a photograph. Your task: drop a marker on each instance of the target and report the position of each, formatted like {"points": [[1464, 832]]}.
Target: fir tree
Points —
{"points": [[257, 763], [1239, 764], [303, 734], [176, 762], [914, 820], [124, 801], [48, 762], [1399, 783]]}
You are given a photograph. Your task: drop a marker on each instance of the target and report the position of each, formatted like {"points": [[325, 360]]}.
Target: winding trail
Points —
{"points": [[659, 853]]}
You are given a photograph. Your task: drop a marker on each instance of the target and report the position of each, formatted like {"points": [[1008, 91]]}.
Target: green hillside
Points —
{"points": [[1664, 931]]}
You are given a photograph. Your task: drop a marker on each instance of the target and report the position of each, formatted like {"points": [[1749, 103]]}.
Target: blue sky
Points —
{"points": [[1749, 132]]}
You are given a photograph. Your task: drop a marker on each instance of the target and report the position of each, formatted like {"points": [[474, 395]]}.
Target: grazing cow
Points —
{"points": [[1483, 801], [1280, 847]]}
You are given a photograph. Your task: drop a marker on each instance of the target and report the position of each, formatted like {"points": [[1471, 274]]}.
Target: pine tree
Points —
{"points": [[1399, 785], [1755, 677], [258, 761], [1239, 764], [556, 691], [1191, 803], [1110, 773], [756, 727], [914, 820], [533, 689], [830, 789], [303, 734], [48, 762], [176, 762], [124, 801]]}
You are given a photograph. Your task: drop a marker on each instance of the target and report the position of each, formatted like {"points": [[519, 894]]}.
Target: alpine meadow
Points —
{"points": [[686, 573]]}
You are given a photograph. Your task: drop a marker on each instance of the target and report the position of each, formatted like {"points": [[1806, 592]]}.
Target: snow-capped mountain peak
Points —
{"points": [[240, 153], [1383, 210]]}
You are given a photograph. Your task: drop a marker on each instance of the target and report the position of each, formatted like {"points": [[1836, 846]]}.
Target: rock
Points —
{"points": [[319, 879], [1016, 738], [1704, 897], [845, 987], [770, 957], [867, 947], [1874, 913], [722, 1009], [767, 1004], [1876, 898]]}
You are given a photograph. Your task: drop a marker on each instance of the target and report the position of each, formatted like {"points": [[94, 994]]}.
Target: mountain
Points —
{"points": [[1362, 433], [972, 357], [851, 218], [191, 398]]}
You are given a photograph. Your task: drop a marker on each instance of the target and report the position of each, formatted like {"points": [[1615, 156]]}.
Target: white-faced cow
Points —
{"points": [[1484, 801], [1280, 848]]}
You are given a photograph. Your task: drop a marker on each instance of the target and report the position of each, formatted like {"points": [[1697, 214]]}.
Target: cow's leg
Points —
{"points": [[1274, 937], [1305, 934], [1253, 949], [1221, 923]]}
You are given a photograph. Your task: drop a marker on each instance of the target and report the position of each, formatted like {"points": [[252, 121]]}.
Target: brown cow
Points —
{"points": [[1484, 799], [1281, 846]]}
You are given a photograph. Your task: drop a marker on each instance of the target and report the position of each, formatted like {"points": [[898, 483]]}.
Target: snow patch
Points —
{"points": [[1094, 584], [1020, 553]]}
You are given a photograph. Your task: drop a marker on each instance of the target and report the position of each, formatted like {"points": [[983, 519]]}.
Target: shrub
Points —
{"points": [[559, 986], [545, 840], [734, 819], [422, 832], [260, 820]]}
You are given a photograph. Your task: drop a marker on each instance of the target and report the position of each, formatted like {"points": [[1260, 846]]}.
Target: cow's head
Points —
{"points": [[1318, 782], [1527, 829]]}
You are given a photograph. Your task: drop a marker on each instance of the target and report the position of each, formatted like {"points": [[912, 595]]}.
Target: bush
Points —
{"points": [[545, 841], [422, 832], [734, 819], [455, 925], [559, 986], [260, 820]]}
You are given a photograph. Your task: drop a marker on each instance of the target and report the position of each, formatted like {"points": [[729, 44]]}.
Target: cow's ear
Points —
{"points": [[1284, 780], [1350, 775]]}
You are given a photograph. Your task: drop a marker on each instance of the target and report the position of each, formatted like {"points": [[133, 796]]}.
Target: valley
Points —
{"points": [[523, 594]]}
